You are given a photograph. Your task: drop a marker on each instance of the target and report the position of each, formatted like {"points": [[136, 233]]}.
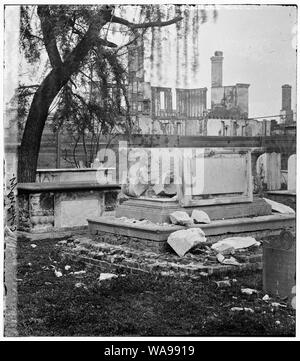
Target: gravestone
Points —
{"points": [[279, 264], [215, 180], [292, 173], [268, 168]]}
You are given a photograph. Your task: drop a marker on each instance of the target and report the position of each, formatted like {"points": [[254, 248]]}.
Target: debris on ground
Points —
{"points": [[228, 261], [277, 304], [279, 207], [78, 272], [106, 276], [80, 285], [266, 298], [199, 216], [57, 273], [199, 259], [239, 309], [224, 283], [62, 242], [151, 293], [224, 249], [67, 267], [33, 245], [204, 274], [181, 218], [235, 242], [185, 239], [248, 291]]}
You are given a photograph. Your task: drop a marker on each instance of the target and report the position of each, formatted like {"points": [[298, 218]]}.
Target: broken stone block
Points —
{"points": [[238, 309], [181, 218], [106, 276], [165, 189], [133, 189], [235, 242], [279, 207], [248, 291], [137, 181], [225, 283], [199, 216], [228, 261], [224, 249], [183, 240]]}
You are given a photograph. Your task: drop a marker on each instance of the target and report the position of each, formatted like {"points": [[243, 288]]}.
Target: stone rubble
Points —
{"points": [[199, 216], [234, 242], [184, 240], [228, 261], [266, 298], [195, 265], [106, 276], [248, 291], [279, 207], [181, 218], [224, 283], [239, 309]]}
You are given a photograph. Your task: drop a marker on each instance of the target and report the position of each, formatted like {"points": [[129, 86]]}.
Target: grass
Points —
{"points": [[136, 305]]}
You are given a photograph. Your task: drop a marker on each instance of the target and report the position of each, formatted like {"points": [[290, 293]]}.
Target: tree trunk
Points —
{"points": [[44, 96], [30, 144]]}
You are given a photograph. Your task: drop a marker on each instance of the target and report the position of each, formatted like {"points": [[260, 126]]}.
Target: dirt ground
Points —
{"points": [[57, 297]]}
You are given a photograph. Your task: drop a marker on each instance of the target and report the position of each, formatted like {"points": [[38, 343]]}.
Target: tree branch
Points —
{"points": [[48, 35], [137, 36], [104, 42], [118, 20], [81, 50]]}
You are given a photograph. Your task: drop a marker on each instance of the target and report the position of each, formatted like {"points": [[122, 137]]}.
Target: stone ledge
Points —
{"points": [[160, 233], [64, 187]]}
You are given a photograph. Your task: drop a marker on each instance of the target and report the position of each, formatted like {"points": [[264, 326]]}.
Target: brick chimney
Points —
{"points": [[217, 69], [286, 97], [286, 106]]}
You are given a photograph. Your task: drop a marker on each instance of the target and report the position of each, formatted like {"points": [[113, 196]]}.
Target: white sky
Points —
{"points": [[259, 48], [258, 44]]}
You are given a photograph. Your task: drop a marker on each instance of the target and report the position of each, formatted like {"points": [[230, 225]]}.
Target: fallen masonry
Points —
{"points": [[199, 262]]}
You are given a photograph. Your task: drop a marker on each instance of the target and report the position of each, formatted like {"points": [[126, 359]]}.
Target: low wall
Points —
{"points": [[46, 207]]}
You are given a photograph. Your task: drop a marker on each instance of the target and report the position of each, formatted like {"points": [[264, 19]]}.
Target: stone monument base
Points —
{"points": [[151, 236], [158, 210]]}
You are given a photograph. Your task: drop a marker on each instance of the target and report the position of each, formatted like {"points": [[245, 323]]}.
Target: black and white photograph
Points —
{"points": [[149, 173]]}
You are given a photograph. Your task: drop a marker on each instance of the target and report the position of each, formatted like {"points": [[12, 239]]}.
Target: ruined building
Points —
{"points": [[164, 110], [228, 102]]}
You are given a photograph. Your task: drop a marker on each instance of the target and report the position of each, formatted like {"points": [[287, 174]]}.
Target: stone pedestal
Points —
{"points": [[48, 207], [158, 210]]}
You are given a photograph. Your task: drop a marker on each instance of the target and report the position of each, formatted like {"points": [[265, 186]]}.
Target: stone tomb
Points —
{"points": [[215, 180], [48, 207], [160, 181]]}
